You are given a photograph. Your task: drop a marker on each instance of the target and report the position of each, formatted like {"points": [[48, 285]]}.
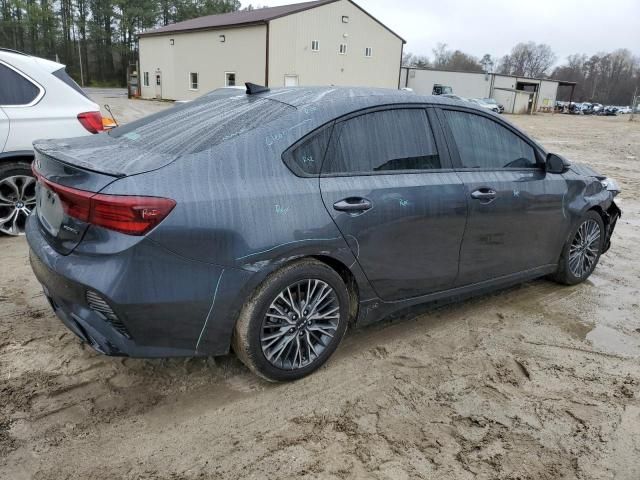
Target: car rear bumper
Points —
{"points": [[143, 302]]}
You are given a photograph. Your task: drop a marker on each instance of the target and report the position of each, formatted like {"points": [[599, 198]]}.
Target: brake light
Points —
{"points": [[92, 121], [129, 214], [132, 215]]}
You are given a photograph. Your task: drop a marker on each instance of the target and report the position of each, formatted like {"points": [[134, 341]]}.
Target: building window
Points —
{"points": [[368, 52], [145, 80], [193, 80], [229, 79], [315, 45], [172, 41], [291, 80], [343, 49], [345, 19], [223, 38]]}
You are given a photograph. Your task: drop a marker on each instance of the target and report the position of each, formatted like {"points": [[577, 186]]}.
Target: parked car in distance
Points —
{"points": [[271, 221], [38, 99], [483, 104], [608, 111], [441, 89], [586, 108], [493, 101], [624, 110]]}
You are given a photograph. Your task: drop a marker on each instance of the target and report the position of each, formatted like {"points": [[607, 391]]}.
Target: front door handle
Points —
{"points": [[484, 194], [353, 205]]}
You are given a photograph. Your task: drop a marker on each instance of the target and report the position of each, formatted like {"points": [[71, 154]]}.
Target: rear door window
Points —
{"points": [[485, 144], [398, 140], [15, 89]]}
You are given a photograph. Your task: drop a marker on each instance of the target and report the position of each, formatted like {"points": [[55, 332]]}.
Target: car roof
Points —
{"points": [[20, 59], [355, 97]]}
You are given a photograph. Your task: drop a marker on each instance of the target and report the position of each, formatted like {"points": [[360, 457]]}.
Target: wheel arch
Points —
{"points": [[348, 276], [26, 156], [349, 280]]}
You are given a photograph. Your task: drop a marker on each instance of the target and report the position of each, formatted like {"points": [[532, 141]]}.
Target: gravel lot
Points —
{"points": [[535, 382]]}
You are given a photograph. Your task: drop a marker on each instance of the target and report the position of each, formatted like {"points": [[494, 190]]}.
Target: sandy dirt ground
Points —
{"points": [[536, 382]]}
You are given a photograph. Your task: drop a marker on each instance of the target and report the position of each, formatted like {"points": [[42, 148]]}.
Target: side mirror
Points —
{"points": [[556, 163]]}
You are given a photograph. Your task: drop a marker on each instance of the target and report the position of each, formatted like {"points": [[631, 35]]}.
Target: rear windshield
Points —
{"points": [[64, 76], [201, 124]]}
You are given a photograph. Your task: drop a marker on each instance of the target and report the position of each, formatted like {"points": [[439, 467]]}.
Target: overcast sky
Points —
{"points": [[494, 26]]}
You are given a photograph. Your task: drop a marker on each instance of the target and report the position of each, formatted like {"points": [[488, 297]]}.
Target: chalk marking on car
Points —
{"points": [[213, 302]]}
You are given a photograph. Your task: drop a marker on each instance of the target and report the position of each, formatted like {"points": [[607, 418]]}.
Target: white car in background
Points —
{"points": [[38, 99], [624, 110], [489, 106]]}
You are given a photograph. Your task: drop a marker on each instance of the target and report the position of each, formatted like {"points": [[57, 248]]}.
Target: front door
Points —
{"points": [[4, 129], [158, 85], [390, 191], [516, 216]]}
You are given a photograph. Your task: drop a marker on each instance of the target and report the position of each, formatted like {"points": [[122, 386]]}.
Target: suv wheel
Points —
{"points": [[17, 196], [293, 322]]}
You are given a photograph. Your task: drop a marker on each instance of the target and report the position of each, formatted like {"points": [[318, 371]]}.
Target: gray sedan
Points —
{"points": [[269, 221]]}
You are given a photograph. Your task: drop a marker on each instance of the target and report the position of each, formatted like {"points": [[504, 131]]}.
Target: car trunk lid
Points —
{"points": [[57, 181]]}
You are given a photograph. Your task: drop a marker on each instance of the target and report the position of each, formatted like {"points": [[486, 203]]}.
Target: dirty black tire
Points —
{"points": [[564, 275], [10, 169], [246, 339]]}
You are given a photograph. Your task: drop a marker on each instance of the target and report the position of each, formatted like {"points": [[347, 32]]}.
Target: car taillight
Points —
{"points": [[129, 214], [133, 215], [92, 121]]}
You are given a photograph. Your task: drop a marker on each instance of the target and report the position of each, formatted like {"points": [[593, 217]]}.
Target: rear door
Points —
{"points": [[387, 183], [516, 216]]}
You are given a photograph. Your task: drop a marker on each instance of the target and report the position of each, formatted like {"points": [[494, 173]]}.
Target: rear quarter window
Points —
{"points": [[63, 76], [16, 90], [305, 158]]}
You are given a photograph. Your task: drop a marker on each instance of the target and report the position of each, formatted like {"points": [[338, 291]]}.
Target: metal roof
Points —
{"points": [[248, 17]]}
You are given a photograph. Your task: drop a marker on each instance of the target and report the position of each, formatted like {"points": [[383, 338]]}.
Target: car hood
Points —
{"points": [[585, 171]]}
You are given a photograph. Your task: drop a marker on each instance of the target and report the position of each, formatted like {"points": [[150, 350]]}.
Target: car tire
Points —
{"points": [[14, 199], [580, 256], [257, 329]]}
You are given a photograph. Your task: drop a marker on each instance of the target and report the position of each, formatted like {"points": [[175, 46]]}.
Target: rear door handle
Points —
{"points": [[484, 194], [353, 205]]}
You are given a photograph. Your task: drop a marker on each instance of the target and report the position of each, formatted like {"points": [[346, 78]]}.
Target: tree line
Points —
{"points": [[100, 32], [96, 40], [609, 78]]}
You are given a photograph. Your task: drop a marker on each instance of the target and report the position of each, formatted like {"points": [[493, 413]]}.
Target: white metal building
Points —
{"points": [[516, 94], [324, 42]]}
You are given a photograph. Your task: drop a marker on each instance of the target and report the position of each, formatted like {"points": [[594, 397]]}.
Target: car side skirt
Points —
{"points": [[375, 309]]}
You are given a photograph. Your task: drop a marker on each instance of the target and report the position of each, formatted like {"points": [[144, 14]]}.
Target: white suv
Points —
{"points": [[38, 99]]}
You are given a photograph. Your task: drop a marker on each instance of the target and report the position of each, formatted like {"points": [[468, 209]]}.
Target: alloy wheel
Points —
{"points": [[17, 200], [584, 249], [300, 324]]}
